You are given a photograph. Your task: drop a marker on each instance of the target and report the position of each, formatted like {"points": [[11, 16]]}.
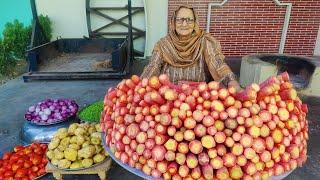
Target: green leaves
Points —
{"points": [[16, 38], [46, 26], [91, 113]]}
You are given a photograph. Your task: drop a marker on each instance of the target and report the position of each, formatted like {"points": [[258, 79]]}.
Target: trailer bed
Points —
{"points": [[77, 62]]}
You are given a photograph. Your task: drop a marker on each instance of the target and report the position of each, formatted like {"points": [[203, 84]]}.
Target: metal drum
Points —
{"points": [[31, 132]]}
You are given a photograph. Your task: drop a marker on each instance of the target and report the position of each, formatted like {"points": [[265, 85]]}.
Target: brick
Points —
{"points": [[248, 26]]}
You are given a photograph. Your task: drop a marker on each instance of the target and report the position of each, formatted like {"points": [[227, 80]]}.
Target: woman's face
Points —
{"points": [[184, 22]]}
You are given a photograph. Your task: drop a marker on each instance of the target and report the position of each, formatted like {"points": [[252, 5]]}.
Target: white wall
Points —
{"points": [[69, 19], [317, 47]]}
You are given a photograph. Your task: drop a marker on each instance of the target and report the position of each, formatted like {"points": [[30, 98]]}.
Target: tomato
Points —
{"points": [[16, 166], [21, 153], [5, 162], [8, 173], [14, 158], [21, 172], [34, 168], [7, 155], [34, 145], [2, 170], [27, 164], [25, 178], [42, 165], [25, 158], [41, 171], [32, 175], [1, 162], [44, 147], [9, 178], [18, 148], [27, 150], [8, 167], [38, 150], [44, 160], [21, 161], [36, 159]]}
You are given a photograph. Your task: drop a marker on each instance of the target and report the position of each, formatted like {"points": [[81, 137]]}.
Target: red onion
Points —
{"points": [[51, 110]]}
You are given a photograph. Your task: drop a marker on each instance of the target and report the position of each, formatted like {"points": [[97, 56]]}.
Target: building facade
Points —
{"points": [[260, 26]]}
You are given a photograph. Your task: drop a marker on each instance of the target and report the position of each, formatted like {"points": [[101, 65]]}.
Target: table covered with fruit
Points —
{"points": [[160, 130]]}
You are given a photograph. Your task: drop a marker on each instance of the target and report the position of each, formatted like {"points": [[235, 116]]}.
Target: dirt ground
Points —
{"points": [[20, 68]]}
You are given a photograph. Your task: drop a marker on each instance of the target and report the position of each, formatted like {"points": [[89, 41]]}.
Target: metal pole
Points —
{"points": [[130, 43], [88, 18], [34, 10]]}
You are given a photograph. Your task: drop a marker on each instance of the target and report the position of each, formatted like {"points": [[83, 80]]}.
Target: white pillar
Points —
{"points": [[157, 22]]}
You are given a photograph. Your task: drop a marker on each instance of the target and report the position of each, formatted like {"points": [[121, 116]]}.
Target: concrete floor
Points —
{"points": [[16, 96]]}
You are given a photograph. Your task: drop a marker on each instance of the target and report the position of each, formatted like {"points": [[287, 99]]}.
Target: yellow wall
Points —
{"points": [[69, 19]]}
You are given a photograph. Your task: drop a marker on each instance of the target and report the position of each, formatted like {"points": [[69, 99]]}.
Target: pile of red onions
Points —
{"points": [[51, 111]]}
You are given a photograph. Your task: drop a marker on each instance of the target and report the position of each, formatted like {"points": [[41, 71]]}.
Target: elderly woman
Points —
{"points": [[187, 53]]}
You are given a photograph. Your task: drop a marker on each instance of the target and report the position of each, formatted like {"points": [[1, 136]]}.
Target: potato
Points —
{"points": [[87, 143], [72, 128], [98, 128], [98, 148], [80, 131], [70, 154], [58, 154], [76, 165], [98, 158], [62, 133], [65, 141], [96, 134], [61, 147], [55, 140], [74, 146], [91, 130], [87, 162], [95, 141], [79, 158], [87, 152], [73, 140], [53, 144], [64, 164], [86, 138], [84, 125], [50, 154], [80, 140], [54, 162]]}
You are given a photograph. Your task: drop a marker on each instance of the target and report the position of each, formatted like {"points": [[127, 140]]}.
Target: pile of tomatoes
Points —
{"points": [[25, 162]]}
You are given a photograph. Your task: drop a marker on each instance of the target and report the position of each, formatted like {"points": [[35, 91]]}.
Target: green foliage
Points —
{"points": [[16, 38], [46, 26], [7, 63]]}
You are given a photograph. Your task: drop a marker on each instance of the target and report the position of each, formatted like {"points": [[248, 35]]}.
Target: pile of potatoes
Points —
{"points": [[79, 146]]}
